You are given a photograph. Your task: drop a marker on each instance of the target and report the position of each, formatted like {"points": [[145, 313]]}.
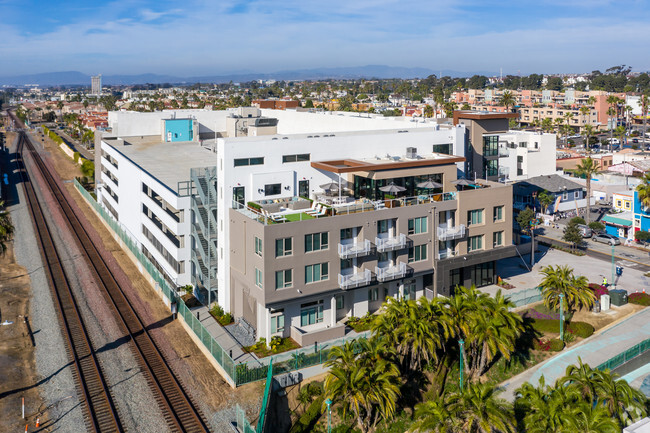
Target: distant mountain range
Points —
{"points": [[368, 72]]}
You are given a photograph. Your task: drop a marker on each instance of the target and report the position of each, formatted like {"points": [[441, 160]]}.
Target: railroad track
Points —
{"points": [[99, 409], [179, 411]]}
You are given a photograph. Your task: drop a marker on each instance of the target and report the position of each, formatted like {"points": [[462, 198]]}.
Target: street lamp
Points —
{"points": [[561, 316], [462, 345], [613, 264], [328, 402]]}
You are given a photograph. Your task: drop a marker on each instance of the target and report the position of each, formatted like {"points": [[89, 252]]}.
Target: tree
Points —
{"points": [[545, 200], [644, 112], [525, 219], [449, 108], [643, 191], [309, 103], [507, 100], [428, 111], [589, 131], [572, 234], [6, 228], [364, 380], [559, 280], [619, 132], [596, 226], [642, 236], [587, 168], [547, 124]]}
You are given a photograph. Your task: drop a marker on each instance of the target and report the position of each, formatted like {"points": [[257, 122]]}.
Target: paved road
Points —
{"points": [[75, 145]]}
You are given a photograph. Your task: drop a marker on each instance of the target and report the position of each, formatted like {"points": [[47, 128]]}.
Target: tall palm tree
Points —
{"points": [[587, 168], [6, 228], [584, 110], [545, 407], [507, 100], [479, 410], [587, 418], [644, 112], [624, 403], [559, 280], [547, 124], [619, 132], [643, 190], [610, 113]]}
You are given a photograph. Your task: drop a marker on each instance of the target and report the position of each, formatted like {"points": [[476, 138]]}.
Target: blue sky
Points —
{"points": [[201, 37]]}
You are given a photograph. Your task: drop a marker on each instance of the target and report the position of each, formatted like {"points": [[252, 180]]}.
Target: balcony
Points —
{"points": [[504, 171], [391, 272], [358, 279], [503, 152], [356, 249], [446, 254], [446, 233], [391, 244]]}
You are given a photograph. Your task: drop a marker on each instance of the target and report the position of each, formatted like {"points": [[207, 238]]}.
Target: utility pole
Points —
{"points": [[462, 345], [561, 316]]}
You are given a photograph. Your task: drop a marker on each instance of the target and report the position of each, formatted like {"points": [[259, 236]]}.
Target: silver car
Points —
{"points": [[607, 239]]}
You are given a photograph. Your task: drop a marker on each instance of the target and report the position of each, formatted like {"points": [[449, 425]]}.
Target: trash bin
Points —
{"points": [[618, 297]]}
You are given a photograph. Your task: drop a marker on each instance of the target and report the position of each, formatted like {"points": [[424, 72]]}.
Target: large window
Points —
{"points": [[475, 217], [417, 225], [475, 243], [273, 189], [498, 213], [340, 302], [490, 145], [283, 279], [258, 278], [409, 292], [239, 162], [373, 294], [382, 226], [346, 264], [347, 233], [277, 321], [316, 242], [295, 158], [317, 272], [283, 247], [492, 167], [417, 253], [311, 313], [447, 149], [258, 246], [497, 237]]}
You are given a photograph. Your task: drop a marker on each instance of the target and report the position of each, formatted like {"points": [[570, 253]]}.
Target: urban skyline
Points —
{"points": [[260, 36]]}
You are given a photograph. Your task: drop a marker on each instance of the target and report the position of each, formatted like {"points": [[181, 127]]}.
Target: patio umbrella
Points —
{"points": [[463, 182], [429, 184], [392, 188]]}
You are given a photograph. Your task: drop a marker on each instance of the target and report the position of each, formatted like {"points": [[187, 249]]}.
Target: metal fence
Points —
{"points": [[265, 399], [626, 356], [525, 297], [242, 422], [218, 353]]}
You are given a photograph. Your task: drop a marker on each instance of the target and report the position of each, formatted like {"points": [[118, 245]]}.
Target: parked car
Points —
{"points": [[585, 230], [607, 239]]}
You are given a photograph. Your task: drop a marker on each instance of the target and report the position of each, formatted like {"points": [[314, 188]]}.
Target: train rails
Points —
{"points": [[180, 413]]}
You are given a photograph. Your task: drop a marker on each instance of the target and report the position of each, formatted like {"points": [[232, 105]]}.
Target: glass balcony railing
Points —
{"points": [[356, 249], [391, 272], [362, 278], [391, 243], [447, 233]]}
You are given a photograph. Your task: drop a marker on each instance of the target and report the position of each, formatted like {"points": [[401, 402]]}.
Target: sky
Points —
{"points": [[202, 37]]}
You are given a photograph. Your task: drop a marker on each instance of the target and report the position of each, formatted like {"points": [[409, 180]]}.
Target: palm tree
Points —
{"points": [[586, 418], [567, 117], [545, 407], [620, 134], [547, 124], [624, 403], [6, 228], [479, 410], [610, 113], [613, 101], [643, 190], [428, 111], [584, 110], [507, 100], [364, 381], [587, 168], [644, 112], [559, 280]]}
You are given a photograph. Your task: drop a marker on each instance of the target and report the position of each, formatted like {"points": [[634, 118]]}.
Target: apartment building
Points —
{"points": [[296, 230]]}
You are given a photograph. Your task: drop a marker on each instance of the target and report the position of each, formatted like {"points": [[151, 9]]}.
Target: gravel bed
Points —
{"points": [[56, 386]]}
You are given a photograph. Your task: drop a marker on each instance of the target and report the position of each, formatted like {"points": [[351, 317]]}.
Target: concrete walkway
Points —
{"points": [[593, 351]]}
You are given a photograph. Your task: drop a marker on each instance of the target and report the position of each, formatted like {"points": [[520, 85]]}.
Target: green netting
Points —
{"points": [[242, 423], [206, 339], [265, 399]]}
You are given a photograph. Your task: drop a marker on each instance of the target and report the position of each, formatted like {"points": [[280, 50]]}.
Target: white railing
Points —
{"points": [[446, 233], [391, 272], [504, 171], [446, 254], [358, 279], [503, 151], [355, 249], [389, 244]]}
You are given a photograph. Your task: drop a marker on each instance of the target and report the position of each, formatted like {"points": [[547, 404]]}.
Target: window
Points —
{"points": [[409, 292], [277, 321], [497, 237], [417, 225], [492, 167], [283, 279], [273, 189], [576, 195], [295, 158], [498, 213], [475, 217], [383, 257], [627, 205], [316, 241], [346, 264], [240, 162], [417, 253], [565, 196], [373, 294], [490, 145], [347, 233], [382, 226], [311, 313], [340, 302], [475, 243], [283, 247], [258, 278], [258, 246], [317, 272], [443, 148]]}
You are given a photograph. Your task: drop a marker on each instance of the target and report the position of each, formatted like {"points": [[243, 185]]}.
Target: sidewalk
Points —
{"points": [[593, 351]]}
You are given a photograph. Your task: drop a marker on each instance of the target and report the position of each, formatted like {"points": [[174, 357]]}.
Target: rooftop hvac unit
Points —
{"points": [[411, 152]]}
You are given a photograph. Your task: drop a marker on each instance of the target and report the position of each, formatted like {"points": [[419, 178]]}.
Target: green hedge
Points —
{"points": [[554, 345], [580, 329], [639, 299], [253, 205], [307, 421]]}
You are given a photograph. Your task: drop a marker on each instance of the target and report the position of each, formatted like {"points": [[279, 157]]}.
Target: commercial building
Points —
{"points": [[294, 221], [96, 84]]}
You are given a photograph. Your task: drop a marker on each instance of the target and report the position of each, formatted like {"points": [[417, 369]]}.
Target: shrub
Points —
{"points": [[596, 225], [554, 345], [307, 421], [188, 288], [253, 205], [598, 290], [88, 168], [639, 299], [581, 329], [577, 220], [75, 156]]}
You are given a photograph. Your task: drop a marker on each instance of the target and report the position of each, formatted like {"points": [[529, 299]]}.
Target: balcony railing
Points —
{"points": [[362, 278], [447, 233], [391, 244], [391, 272], [504, 171], [446, 254], [356, 249], [503, 151]]}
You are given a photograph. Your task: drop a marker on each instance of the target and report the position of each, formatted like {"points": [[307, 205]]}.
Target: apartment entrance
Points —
{"points": [[303, 188], [238, 195]]}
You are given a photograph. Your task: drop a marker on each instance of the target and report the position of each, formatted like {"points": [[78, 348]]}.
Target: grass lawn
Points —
{"points": [[261, 350], [297, 217]]}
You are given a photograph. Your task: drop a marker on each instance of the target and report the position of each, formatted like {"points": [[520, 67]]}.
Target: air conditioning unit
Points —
{"points": [[411, 152]]}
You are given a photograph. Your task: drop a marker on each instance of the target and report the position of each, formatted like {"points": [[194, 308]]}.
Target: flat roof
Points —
{"points": [[482, 115], [378, 164], [168, 162]]}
